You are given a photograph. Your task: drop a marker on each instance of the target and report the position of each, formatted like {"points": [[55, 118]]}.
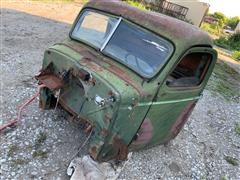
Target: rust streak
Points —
{"points": [[181, 120], [51, 81], [121, 148], [93, 152], [91, 61], [145, 133]]}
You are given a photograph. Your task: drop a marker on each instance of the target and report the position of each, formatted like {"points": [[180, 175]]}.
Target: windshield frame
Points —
{"points": [[78, 19], [119, 19]]}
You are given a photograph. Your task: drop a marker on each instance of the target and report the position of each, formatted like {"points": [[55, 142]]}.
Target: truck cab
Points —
{"points": [[132, 76]]}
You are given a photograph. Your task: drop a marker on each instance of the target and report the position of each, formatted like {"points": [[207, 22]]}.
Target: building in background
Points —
{"points": [[210, 19], [196, 10], [191, 11]]}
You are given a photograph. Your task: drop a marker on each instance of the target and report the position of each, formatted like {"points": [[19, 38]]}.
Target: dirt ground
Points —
{"points": [[43, 144]]}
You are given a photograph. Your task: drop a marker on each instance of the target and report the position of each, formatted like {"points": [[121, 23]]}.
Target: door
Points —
{"points": [[176, 97]]}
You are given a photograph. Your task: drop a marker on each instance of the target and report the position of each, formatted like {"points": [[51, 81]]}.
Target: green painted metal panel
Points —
{"points": [[136, 112]]}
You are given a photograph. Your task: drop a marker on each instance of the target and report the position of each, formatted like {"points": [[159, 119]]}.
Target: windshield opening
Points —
{"points": [[141, 50], [137, 48]]}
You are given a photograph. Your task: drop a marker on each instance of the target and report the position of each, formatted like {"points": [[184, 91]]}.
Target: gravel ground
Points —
{"points": [[44, 142], [42, 145], [199, 151]]}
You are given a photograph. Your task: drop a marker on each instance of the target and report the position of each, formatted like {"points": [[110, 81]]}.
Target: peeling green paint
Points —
{"points": [[126, 111]]}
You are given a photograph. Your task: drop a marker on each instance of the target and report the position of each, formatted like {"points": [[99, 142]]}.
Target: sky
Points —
{"points": [[229, 7]]}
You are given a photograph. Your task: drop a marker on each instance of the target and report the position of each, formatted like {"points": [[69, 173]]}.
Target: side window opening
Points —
{"points": [[190, 71]]}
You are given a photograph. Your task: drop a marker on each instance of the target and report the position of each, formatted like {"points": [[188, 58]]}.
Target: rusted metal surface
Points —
{"points": [[181, 120], [51, 81], [104, 132], [69, 110], [95, 63], [93, 152], [166, 26], [145, 133], [121, 148], [75, 116], [124, 110], [89, 128], [83, 75]]}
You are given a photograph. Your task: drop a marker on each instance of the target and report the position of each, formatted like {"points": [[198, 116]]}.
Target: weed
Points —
{"points": [[16, 162], [224, 88], [12, 149], [236, 55], [237, 128], [40, 139], [224, 178], [225, 82], [40, 154], [231, 160], [211, 28], [231, 43], [229, 69], [209, 113]]}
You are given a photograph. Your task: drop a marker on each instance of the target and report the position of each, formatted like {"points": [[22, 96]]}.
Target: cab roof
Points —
{"points": [[182, 34]]}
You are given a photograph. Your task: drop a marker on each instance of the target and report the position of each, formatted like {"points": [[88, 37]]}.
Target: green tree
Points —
{"points": [[233, 21], [222, 19]]}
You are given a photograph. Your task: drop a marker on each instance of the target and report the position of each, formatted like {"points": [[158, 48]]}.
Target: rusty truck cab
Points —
{"points": [[133, 76]]}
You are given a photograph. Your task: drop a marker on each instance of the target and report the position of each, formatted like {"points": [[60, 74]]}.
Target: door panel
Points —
{"points": [[163, 121], [176, 97], [163, 117]]}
